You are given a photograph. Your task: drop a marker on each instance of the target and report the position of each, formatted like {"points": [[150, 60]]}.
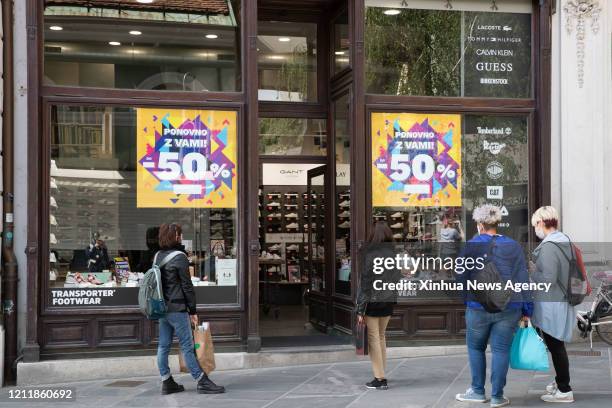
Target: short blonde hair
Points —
{"points": [[488, 215], [547, 214]]}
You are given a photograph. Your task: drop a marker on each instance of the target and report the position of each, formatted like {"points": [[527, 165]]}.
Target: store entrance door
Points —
{"points": [[317, 206]]}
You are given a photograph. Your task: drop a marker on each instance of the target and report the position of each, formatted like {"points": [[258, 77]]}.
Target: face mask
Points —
{"points": [[540, 233]]}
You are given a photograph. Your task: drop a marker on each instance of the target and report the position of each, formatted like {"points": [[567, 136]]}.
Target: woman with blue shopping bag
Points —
{"points": [[552, 313]]}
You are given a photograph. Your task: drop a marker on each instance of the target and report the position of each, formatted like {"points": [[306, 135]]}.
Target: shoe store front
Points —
{"points": [[274, 135]]}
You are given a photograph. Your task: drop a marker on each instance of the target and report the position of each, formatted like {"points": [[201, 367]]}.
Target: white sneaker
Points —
{"points": [[274, 204], [274, 247], [551, 388], [558, 396], [292, 247], [293, 225], [291, 215], [52, 202], [397, 225], [274, 215], [52, 219], [345, 224], [344, 204], [344, 214], [397, 215], [398, 236]]}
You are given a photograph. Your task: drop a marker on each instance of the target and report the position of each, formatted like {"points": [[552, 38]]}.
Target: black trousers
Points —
{"points": [[558, 353]]}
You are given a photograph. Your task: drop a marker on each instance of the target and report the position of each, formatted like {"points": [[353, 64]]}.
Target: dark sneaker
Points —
{"points": [[170, 386], [206, 386], [377, 384]]}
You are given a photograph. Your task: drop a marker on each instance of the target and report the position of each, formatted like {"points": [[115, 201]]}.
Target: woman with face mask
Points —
{"points": [[552, 314]]}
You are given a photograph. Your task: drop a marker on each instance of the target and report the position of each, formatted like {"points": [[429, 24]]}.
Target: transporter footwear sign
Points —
{"points": [[186, 158], [416, 160]]}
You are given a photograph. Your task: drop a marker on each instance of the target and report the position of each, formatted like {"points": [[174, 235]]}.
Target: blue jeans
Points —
{"points": [[176, 323], [498, 329]]}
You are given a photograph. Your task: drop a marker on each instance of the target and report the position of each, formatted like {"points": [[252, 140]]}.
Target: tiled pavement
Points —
{"points": [[415, 382]]}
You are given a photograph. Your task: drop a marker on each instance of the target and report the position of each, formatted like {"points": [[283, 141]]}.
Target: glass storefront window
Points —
{"points": [[117, 174], [429, 171], [342, 43], [292, 137], [287, 61], [480, 52], [343, 195], [164, 45]]}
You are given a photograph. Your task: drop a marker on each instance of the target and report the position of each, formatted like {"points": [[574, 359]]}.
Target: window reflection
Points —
{"points": [[292, 136], [164, 45], [287, 61]]}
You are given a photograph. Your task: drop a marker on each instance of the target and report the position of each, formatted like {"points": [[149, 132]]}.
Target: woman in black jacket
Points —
{"points": [[181, 312], [375, 307]]}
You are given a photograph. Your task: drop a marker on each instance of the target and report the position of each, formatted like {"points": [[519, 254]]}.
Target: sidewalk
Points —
{"points": [[414, 382]]}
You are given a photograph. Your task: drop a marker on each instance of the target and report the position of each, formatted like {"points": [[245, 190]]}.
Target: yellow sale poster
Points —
{"points": [[416, 160], [186, 158]]}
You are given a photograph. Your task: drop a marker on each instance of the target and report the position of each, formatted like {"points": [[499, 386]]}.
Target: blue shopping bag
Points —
{"points": [[528, 350]]}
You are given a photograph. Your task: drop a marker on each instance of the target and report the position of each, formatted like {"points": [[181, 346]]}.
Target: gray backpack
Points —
{"points": [[150, 297]]}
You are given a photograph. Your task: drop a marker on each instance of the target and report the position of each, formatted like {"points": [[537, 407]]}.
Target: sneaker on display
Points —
{"points": [[398, 236], [52, 219], [397, 215], [345, 224], [53, 183], [293, 225], [291, 215], [344, 204], [397, 225], [292, 206], [558, 396], [276, 256], [274, 247], [52, 239], [344, 214], [274, 215], [273, 195], [292, 247], [291, 195], [274, 204], [52, 202]]}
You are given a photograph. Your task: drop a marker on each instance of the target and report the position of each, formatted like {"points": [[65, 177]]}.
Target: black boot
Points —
{"points": [[170, 386], [206, 386]]}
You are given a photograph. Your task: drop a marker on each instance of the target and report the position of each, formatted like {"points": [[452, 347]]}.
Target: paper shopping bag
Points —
{"points": [[203, 348], [361, 339]]}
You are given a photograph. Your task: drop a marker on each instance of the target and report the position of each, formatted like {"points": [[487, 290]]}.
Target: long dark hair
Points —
{"points": [[380, 232]]}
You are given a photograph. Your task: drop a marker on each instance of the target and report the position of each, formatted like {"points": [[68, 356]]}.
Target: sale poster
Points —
{"points": [[186, 158], [416, 160]]}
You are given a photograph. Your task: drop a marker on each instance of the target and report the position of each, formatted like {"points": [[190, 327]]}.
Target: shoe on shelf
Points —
{"points": [[273, 195], [397, 225], [291, 195], [293, 225], [276, 256], [206, 386], [377, 384], [397, 215], [274, 215], [345, 224], [470, 396], [292, 247], [273, 204], [274, 247], [170, 386], [497, 402], [344, 204], [552, 387], [291, 215], [558, 396], [398, 236], [344, 214]]}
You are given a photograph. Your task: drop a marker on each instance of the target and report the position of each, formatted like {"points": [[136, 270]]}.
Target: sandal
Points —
{"points": [[78, 278], [92, 279]]}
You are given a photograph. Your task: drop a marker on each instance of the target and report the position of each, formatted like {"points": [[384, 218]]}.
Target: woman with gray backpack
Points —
{"points": [[180, 313], [553, 314]]}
